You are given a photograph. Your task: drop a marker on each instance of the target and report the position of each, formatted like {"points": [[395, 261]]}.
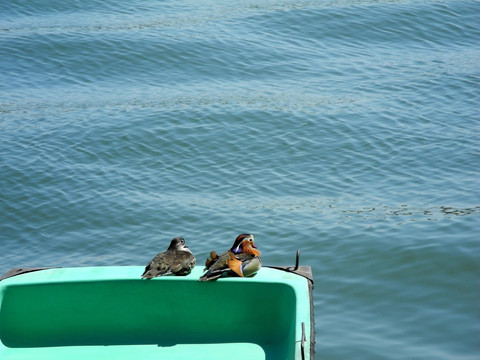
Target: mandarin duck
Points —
{"points": [[177, 260], [242, 259]]}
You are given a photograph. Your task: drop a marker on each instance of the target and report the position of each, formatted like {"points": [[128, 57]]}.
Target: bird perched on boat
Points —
{"points": [[177, 260], [242, 259]]}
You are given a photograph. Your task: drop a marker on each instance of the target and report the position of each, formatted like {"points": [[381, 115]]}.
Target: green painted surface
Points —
{"points": [[110, 311], [234, 351]]}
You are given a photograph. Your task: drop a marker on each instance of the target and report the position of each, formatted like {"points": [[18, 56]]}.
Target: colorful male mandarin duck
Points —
{"points": [[177, 260], [243, 259]]}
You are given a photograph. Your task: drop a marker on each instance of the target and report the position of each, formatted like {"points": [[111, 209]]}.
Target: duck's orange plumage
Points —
{"points": [[242, 259], [249, 249], [235, 265]]}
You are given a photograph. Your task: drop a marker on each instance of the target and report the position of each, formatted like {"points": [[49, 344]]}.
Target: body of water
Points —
{"points": [[348, 130]]}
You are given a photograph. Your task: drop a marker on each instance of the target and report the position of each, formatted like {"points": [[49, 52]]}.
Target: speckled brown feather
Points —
{"points": [[177, 260]]}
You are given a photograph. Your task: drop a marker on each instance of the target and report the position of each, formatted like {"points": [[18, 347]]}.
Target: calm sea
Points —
{"points": [[346, 129]]}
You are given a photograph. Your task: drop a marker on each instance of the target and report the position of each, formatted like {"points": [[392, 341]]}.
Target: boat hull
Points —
{"points": [[109, 312]]}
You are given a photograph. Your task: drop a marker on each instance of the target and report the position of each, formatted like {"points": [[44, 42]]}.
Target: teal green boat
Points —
{"points": [[110, 313]]}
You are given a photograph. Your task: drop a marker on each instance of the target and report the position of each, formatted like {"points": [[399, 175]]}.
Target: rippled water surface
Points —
{"points": [[346, 129]]}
